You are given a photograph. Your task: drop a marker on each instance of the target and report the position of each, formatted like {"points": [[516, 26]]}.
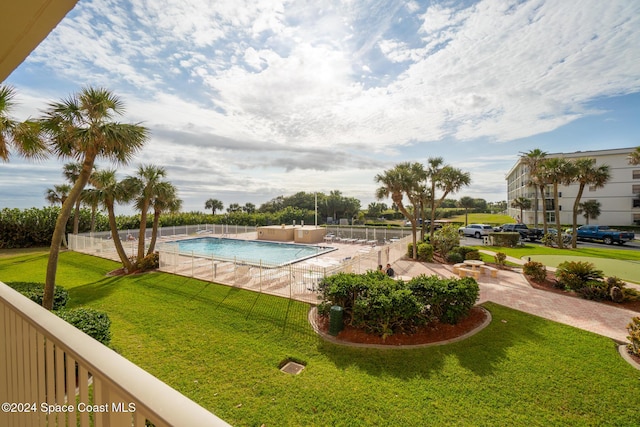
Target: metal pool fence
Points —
{"points": [[297, 281]]}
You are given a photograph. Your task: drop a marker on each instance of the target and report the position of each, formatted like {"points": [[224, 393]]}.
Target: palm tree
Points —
{"points": [[590, 209], [25, 137], [71, 172], [214, 205], [165, 199], [533, 160], [89, 197], [557, 171], [586, 173], [144, 184], [466, 203], [434, 165], [81, 128], [108, 191], [634, 157], [57, 194], [521, 203], [403, 179], [449, 180]]}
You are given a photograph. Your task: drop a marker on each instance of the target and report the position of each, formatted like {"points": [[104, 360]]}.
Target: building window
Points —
{"points": [[551, 216], [636, 203], [636, 174], [635, 189], [636, 218], [592, 188]]}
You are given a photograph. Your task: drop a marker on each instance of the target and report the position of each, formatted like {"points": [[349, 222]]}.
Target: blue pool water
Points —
{"points": [[250, 251]]}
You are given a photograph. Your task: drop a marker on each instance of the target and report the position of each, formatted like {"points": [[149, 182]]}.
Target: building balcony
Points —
{"points": [[52, 374]]}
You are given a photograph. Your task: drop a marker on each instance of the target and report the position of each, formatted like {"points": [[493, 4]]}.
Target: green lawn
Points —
{"points": [[221, 347], [484, 218], [613, 262]]}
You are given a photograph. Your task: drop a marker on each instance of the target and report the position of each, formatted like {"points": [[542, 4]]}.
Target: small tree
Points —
{"points": [[445, 239], [466, 203], [590, 209], [521, 203], [214, 205]]}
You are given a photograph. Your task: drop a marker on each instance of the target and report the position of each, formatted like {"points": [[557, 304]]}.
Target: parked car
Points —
{"points": [[526, 233], [476, 230], [604, 233]]}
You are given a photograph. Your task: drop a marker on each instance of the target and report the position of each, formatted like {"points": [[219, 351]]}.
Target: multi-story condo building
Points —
{"points": [[619, 199]]}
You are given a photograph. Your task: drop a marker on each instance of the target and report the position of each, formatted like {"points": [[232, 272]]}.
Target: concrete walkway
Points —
{"points": [[512, 290]]}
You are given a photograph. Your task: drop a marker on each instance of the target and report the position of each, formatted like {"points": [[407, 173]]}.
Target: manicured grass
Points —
{"points": [[221, 347], [484, 218], [6, 253], [613, 262]]}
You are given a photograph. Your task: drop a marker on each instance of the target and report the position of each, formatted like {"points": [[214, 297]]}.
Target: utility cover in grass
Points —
{"points": [[292, 368]]}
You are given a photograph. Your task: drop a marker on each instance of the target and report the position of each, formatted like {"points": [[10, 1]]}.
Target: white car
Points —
{"points": [[476, 230]]}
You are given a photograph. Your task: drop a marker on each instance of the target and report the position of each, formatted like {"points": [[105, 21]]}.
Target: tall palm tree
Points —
{"points": [[81, 127], [558, 171], [521, 203], [634, 157], [466, 203], [449, 180], [434, 166], [25, 137], [144, 184], [108, 191], [586, 173], [164, 200], [214, 205], [403, 179], [533, 160]]}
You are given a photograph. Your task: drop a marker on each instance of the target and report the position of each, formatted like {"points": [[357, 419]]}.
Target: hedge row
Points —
{"points": [[380, 305]]}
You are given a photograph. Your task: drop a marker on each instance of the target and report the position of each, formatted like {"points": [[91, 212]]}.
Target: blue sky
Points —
{"points": [[248, 100]]}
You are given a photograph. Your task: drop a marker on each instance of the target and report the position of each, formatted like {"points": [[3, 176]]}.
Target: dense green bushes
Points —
{"points": [[34, 292], [381, 305], [92, 322], [425, 251], [34, 226]]}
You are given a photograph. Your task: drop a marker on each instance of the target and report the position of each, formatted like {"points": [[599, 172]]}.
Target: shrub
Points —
{"points": [[634, 336], [472, 255], [505, 239], [92, 322], [425, 252], [501, 259], [445, 239], [548, 240], [454, 258], [574, 275], [381, 305], [594, 290], [150, 262], [449, 300], [35, 291], [536, 270]]}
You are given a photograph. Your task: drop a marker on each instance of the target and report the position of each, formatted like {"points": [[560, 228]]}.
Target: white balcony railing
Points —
{"points": [[43, 359]]}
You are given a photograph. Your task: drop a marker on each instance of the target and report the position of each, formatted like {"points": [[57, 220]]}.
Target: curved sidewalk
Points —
{"points": [[512, 290]]}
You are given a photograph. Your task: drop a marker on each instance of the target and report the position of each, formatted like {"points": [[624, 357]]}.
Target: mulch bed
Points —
{"points": [[427, 334], [548, 285]]}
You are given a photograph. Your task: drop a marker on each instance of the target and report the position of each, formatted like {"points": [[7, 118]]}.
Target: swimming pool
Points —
{"points": [[250, 251]]}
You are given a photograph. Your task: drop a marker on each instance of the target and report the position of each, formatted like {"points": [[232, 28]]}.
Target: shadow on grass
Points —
{"points": [[84, 294], [482, 354]]}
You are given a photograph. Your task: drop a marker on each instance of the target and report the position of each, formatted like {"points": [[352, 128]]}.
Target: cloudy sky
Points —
{"points": [[248, 100]]}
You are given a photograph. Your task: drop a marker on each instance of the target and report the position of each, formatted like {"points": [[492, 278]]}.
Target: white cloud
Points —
{"points": [[230, 86]]}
